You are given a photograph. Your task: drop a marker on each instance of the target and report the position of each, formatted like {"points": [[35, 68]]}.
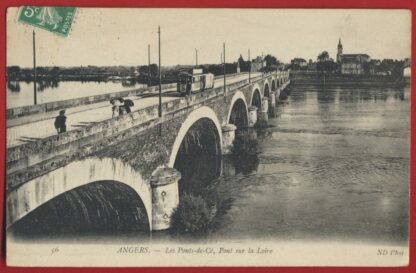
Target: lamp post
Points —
{"points": [[148, 66], [224, 70], [160, 86], [249, 66], [34, 69]]}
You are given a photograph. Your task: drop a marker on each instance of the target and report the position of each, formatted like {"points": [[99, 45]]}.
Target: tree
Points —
{"points": [[325, 63], [271, 60], [241, 61], [13, 72], [272, 63], [323, 57], [144, 70], [242, 64], [55, 71], [41, 71]]}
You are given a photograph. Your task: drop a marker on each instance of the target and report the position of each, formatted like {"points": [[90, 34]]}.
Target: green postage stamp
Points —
{"points": [[54, 19]]}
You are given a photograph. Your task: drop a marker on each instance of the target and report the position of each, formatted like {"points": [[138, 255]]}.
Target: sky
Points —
{"points": [[120, 36]]}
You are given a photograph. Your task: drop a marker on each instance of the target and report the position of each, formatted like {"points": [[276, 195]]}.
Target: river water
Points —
{"points": [[21, 93], [333, 165]]}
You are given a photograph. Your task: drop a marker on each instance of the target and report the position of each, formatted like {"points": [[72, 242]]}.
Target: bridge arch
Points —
{"points": [[196, 152], [38, 191], [266, 89], [238, 110], [256, 99], [255, 96], [203, 112], [273, 85]]}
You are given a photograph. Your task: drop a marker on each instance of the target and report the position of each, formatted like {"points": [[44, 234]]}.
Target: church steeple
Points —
{"points": [[339, 52], [339, 47]]}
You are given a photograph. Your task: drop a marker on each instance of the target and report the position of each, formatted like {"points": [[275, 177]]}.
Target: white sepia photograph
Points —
{"points": [[143, 137]]}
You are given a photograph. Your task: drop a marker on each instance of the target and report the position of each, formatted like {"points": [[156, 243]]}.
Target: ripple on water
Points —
{"points": [[335, 165]]}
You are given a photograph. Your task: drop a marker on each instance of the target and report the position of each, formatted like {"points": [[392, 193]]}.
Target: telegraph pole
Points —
{"points": [[148, 66], [249, 66], [262, 62], [34, 69], [225, 83], [196, 57], [160, 87]]}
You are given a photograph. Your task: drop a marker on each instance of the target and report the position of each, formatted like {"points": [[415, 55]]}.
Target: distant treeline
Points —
{"points": [[138, 74], [68, 73]]}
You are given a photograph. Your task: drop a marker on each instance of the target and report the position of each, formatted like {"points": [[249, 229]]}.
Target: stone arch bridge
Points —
{"points": [[139, 150]]}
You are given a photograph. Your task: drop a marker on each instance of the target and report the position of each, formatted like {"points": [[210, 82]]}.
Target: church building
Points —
{"points": [[356, 64]]}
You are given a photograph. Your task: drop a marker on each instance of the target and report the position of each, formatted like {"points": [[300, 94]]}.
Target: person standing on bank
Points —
{"points": [[60, 122]]}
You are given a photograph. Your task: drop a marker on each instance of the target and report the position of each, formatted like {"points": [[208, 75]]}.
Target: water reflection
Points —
{"points": [[43, 85], [334, 165], [244, 158], [349, 94], [20, 93], [129, 83], [13, 86]]}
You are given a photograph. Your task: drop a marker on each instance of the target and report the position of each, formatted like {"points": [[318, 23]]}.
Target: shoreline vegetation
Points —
{"points": [[169, 75], [132, 74], [324, 70], [331, 78], [296, 77], [146, 74]]}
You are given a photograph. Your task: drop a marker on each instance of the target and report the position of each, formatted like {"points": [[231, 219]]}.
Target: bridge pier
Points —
{"points": [[165, 196], [264, 111], [252, 116], [228, 136], [278, 92], [272, 109]]}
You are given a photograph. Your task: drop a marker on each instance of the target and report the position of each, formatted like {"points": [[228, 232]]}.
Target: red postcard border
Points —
{"points": [[336, 4]]}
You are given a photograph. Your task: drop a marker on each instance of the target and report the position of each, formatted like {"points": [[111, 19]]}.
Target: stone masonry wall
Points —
{"points": [[133, 138]]}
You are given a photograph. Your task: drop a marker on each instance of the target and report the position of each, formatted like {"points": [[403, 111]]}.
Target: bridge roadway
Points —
{"points": [[31, 128]]}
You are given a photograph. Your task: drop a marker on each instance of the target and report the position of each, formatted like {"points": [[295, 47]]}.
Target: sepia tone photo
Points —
{"points": [[207, 137]]}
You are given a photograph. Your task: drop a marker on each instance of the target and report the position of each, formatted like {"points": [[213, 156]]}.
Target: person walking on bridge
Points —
{"points": [[60, 122], [116, 107], [127, 104]]}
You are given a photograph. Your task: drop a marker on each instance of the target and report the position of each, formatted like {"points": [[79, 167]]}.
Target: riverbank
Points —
{"points": [[333, 79]]}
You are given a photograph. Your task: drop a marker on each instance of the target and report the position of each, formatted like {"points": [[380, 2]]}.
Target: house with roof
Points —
{"points": [[257, 64], [298, 64], [406, 68], [354, 64]]}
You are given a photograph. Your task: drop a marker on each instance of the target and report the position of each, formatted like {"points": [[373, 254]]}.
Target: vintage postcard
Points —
{"points": [[207, 137]]}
